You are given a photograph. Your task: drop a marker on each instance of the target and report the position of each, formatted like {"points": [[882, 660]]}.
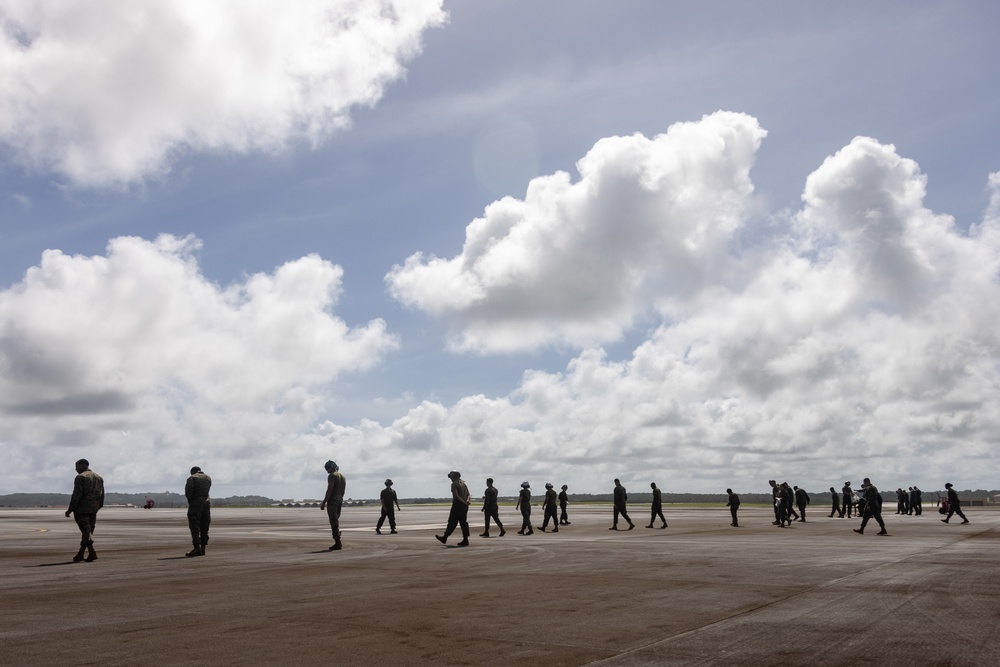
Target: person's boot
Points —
{"points": [[521, 532], [502, 532], [965, 521], [78, 558], [441, 538], [556, 529], [859, 531], [631, 525], [531, 530], [91, 554], [649, 526], [882, 532], [542, 528], [392, 532], [337, 546], [486, 534], [464, 542], [195, 551], [614, 527], [664, 525], [203, 549], [378, 531], [944, 520]]}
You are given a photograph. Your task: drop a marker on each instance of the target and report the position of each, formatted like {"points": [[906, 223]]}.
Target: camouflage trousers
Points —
{"points": [[333, 513], [199, 519], [86, 523]]}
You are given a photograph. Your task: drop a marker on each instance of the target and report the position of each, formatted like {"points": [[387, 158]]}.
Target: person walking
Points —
{"points": [[86, 501], [199, 513], [848, 494], [801, 500], [388, 499], [333, 501], [734, 506], [491, 508], [621, 497], [835, 503], [873, 507], [563, 502], [524, 504], [549, 501], [954, 504], [656, 509], [916, 503], [459, 514]]}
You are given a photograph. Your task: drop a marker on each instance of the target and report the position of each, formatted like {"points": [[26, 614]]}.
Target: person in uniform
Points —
{"points": [[656, 509], [199, 510], [801, 500], [784, 505], [621, 496], [563, 502], [873, 507], [524, 504], [902, 500], [549, 508], [954, 504], [848, 493], [835, 500], [459, 514], [333, 501], [491, 508], [734, 506], [87, 499], [388, 498], [776, 502], [915, 501]]}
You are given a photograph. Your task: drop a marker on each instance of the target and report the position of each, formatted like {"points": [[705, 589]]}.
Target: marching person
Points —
{"points": [[388, 498], [87, 499], [459, 515]]}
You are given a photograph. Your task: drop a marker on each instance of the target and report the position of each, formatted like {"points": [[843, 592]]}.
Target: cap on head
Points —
{"points": [[564, 487], [454, 474], [948, 485], [331, 466], [729, 490], [195, 469], [388, 482], [83, 462], [866, 480], [548, 485], [525, 485]]}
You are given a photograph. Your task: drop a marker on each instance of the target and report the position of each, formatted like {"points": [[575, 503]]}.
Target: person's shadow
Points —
{"points": [[68, 562]]}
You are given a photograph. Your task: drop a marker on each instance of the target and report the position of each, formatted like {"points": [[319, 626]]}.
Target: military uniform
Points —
{"points": [[734, 506], [656, 509], [801, 500], [563, 502], [459, 515], [86, 501], [835, 502], [621, 497], [873, 509], [491, 510], [954, 505], [549, 509], [199, 512], [389, 501], [524, 504], [336, 487]]}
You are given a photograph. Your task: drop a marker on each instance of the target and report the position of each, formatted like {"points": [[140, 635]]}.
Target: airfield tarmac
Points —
{"points": [[698, 593]]}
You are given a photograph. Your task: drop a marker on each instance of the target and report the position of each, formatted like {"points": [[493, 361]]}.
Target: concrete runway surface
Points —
{"points": [[698, 593]]}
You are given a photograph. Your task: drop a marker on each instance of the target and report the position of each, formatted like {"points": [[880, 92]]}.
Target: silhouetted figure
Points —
{"points": [[390, 503], [86, 501], [784, 505], [848, 493], [835, 503], [873, 507], [776, 502], [491, 508], [524, 504], [333, 501], [954, 504], [199, 513], [549, 504], [563, 502], [620, 499], [734, 505], [459, 514], [916, 501], [801, 500], [656, 509]]}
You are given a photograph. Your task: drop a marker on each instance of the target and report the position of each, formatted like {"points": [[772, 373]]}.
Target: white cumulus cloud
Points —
{"points": [[138, 354], [106, 92], [574, 263]]}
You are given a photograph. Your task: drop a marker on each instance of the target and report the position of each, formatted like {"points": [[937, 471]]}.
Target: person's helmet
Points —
{"points": [[331, 466], [195, 469], [564, 487], [548, 485], [525, 485], [388, 482], [948, 485]]}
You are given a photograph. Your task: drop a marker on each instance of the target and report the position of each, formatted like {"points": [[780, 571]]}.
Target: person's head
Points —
{"points": [[489, 481], [564, 487], [652, 485], [195, 469], [847, 483], [948, 485], [388, 482], [618, 482], [453, 475], [833, 489], [331, 466], [866, 481], [729, 490], [82, 464], [796, 488], [772, 482], [548, 485], [525, 485]]}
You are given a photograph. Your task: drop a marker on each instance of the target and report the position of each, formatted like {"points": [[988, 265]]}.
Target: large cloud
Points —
{"points": [[107, 92], [135, 357], [862, 341], [649, 221]]}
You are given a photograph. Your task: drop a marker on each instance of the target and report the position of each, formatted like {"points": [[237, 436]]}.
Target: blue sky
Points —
{"points": [[702, 244]]}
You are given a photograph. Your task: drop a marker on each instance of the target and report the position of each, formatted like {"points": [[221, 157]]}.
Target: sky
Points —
{"points": [[701, 244]]}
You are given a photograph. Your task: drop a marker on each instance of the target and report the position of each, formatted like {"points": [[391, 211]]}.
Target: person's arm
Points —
{"points": [[395, 499], [329, 493], [74, 500]]}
